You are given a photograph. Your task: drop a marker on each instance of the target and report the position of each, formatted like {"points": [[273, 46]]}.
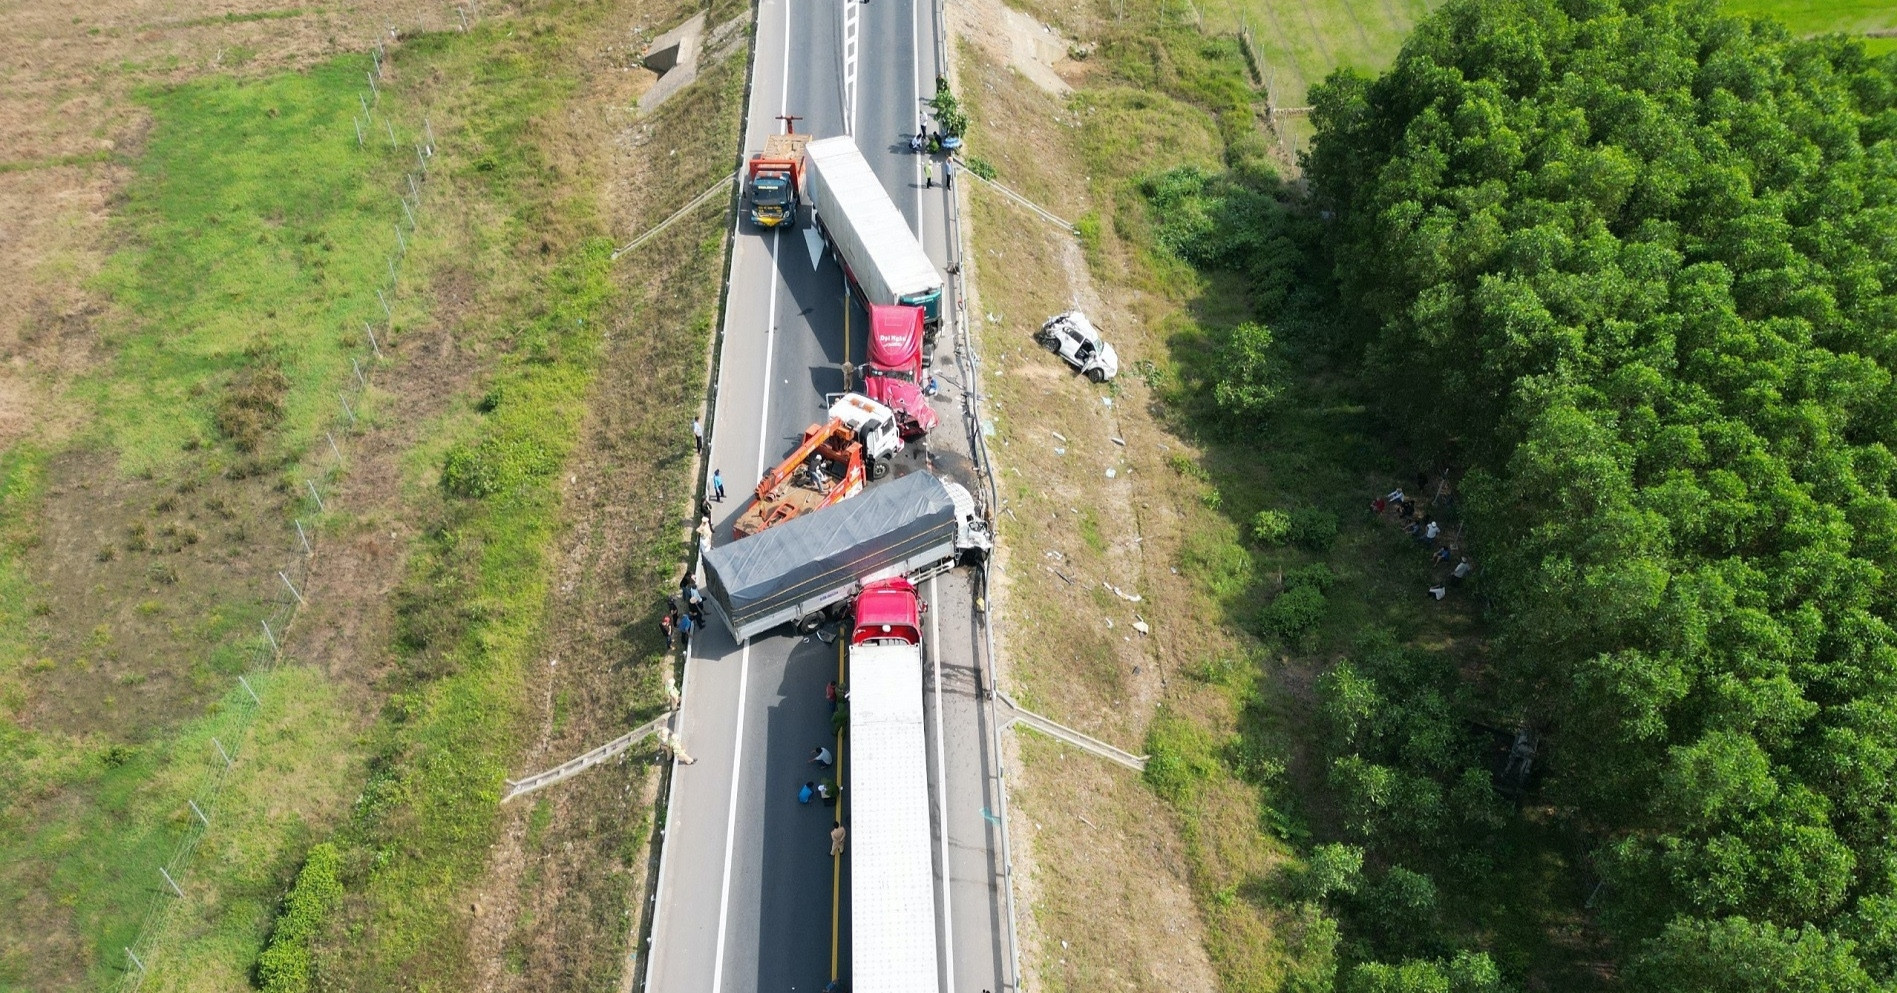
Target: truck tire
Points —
{"points": [[878, 468], [1097, 375], [810, 622]]}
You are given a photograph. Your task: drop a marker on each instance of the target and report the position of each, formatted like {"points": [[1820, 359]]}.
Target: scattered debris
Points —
{"points": [[1122, 594], [1111, 472], [1118, 441]]}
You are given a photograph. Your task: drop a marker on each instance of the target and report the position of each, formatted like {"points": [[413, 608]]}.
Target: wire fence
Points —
{"points": [[376, 131]]}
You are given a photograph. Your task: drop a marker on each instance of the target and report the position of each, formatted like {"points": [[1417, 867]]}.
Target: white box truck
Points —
{"points": [[881, 257]]}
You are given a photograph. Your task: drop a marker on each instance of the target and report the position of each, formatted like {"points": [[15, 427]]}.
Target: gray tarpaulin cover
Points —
{"points": [[807, 555]]}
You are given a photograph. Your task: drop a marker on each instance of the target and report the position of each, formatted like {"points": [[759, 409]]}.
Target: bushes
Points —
{"points": [[1313, 529], [1295, 614], [1271, 527], [284, 966]]}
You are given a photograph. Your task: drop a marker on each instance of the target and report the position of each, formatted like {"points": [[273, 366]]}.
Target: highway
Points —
{"points": [[743, 897]]}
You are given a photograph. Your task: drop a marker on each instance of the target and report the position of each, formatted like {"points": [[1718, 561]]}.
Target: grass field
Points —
{"points": [[139, 541]]}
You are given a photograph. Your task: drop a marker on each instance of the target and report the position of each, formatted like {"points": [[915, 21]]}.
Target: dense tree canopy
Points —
{"points": [[1635, 264]]}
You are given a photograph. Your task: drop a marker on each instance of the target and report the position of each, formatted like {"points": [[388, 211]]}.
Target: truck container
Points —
{"points": [[894, 376], [880, 254], [805, 570], [892, 867]]}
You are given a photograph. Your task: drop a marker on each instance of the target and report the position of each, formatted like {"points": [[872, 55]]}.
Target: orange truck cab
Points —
{"points": [[894, 376]]}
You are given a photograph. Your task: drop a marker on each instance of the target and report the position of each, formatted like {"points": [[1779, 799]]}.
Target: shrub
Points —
{"points": [[1317, 576], [284, 966], [985, 169], [1271, 527], [1295, 613], [1313, 529], [1250, 375], [1333, 868]]}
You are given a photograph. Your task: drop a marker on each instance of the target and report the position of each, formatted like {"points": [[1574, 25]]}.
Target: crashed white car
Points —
{"points": [[1072, 337]]}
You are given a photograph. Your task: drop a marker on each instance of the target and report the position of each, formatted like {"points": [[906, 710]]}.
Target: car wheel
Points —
{"points": [[1050, 343], [1097, 375]]}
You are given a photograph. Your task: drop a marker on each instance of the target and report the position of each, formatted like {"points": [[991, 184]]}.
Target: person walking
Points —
{"points": [[928, 174], [717, 486], [820, 756], [836, 839], [948, 174], [698, 434]]}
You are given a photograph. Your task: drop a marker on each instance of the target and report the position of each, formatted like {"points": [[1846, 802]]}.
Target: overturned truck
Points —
{"points": [[806, 570]]}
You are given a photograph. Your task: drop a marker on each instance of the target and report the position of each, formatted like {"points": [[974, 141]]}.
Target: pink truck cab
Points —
{"points": [[888, 611], [894, 376]]}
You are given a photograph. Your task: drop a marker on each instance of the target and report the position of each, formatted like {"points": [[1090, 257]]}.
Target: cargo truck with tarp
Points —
{"points": [[881, 257], [805, 570]]}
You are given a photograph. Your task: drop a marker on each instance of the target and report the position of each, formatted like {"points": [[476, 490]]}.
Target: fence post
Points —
{"points": [[171, 882]]}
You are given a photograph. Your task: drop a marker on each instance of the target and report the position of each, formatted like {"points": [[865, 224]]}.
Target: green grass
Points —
{"points": [[472, 610], [258, 233], [1806, 17], [1299, 42]]}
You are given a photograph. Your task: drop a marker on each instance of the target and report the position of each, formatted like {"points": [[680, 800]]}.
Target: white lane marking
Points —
{"points": [[731, 821], [852, 41], [941, 792], [915, 92], [744, 656]]}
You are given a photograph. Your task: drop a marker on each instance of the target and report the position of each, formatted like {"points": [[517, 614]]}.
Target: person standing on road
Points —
{"points": [[836, 839], [698, 434], [830, 695], [717, 487], [948, 174], [928, 174], [685, 627]]}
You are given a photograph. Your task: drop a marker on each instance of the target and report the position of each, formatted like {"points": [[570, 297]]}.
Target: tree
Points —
{"points": [[1735, 955]]}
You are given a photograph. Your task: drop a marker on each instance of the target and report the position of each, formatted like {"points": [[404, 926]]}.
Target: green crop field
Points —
{"points": [[1299, 42]]}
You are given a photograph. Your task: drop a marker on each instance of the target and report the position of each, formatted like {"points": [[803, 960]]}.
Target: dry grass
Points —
{"points": [[1116, 873]]}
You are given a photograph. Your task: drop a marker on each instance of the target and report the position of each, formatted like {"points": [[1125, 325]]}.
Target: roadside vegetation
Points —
{"points": [[141, 533], [1621, 324]]}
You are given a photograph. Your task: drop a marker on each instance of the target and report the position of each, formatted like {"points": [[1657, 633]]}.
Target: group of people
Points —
{"points": [[1425, 530], [685, 614], [825, 790]]}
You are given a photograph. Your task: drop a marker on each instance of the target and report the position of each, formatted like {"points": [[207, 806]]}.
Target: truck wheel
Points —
{"points": [[809, 623], [878, 469], [1097, 375]]}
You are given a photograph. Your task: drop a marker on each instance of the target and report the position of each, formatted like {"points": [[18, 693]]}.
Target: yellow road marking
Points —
{"points": [[836, 862]]}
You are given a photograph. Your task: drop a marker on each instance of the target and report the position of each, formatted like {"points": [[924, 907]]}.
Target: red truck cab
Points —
{"points": [[894, 376], [888, 610]]}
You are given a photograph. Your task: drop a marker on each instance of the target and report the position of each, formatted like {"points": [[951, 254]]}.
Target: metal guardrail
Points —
{"points": [[1030, 206], [575, 766], [697, 202]]}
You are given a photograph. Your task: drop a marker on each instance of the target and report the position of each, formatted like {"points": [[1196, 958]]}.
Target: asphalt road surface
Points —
{"points": [[745, 881]]}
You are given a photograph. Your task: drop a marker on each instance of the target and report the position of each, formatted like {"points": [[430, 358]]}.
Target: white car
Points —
{"points": [[1072, 337]]}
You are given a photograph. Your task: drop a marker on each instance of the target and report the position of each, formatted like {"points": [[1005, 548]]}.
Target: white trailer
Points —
{"points": [[892, 875], [881, 257]]}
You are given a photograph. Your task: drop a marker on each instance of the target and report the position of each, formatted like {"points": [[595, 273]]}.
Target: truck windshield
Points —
{"points": [[770, 192]]}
